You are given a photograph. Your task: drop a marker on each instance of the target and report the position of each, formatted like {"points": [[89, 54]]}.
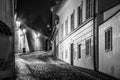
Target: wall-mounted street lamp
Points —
{"points": [[24, 30], [48, 25], [18, 23], [37, 35]]}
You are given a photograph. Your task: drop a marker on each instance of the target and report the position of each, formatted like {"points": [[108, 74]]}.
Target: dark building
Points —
{"points": [[7, 38]]}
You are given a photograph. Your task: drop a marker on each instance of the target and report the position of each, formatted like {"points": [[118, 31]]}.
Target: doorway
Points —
{"points": [[71, 52]]}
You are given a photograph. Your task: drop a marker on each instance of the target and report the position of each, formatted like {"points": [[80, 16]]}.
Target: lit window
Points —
{"points": [[88, 47], [108, 39], [89, 8]]}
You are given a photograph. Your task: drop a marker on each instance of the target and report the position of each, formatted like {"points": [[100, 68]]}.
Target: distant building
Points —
{"points": [[21, 42], [79, 37], [29, 41]]}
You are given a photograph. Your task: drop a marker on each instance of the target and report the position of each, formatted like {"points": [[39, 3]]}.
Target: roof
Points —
{"points": [[4, 29], [60, 5]]}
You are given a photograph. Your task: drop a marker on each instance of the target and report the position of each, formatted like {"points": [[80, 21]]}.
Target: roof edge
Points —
{"points": [[60, 6]]}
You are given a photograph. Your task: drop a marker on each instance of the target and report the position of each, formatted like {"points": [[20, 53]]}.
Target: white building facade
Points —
{"points": [[109, 42], [75, 29], [88, 34]]}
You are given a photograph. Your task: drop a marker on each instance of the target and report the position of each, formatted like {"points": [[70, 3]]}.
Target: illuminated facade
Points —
{"points": [[30, 40], [85, 35], [75, 31]]}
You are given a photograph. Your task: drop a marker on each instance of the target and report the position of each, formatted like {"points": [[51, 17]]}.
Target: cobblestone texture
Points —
{"points": [[45, 67]]}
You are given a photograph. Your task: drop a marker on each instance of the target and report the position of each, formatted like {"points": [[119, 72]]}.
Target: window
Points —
{"points": [[66, 27], [108, 39], [88, 47], [89, 8], [79, 51], [80, 14], [62, 31], [66, 54], [62, 55], [72, 21]]}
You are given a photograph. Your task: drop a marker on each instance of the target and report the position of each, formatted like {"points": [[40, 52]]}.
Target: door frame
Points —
{"points": [[71, 54]]}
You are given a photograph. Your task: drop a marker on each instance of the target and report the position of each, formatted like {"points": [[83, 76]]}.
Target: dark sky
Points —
{"points": [[36, 14]]}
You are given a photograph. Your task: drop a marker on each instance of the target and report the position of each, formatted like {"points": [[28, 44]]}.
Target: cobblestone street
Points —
{"points": [[44, 67]]}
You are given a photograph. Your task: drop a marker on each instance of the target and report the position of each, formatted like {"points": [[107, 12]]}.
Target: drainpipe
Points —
{"points": [[95, 38]]}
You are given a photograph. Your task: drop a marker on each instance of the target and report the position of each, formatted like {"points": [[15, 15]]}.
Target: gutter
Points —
{"points": [[54, 29], [95, 38]]}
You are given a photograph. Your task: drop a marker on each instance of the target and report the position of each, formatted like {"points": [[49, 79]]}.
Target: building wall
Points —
{"points": [[20, 43], [2, 10], [5, 46], [7, 12], [80, 35], [32, 42], [109, 62], [6, 15], [36, 42]]}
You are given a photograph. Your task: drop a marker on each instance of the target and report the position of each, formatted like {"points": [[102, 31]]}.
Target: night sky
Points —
{"points": [[36, 14]]}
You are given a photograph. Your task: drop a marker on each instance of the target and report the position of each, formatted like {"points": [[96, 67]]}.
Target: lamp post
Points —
{"points": [[24, 48]]}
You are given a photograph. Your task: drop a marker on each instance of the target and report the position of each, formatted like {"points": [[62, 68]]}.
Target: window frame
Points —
{"points": [[62, 54], [72, 17], [108, 43], [62, 31], [66, 54], [66, 26], [80, 13], [88, 47], [79, 51], [89, 9]]}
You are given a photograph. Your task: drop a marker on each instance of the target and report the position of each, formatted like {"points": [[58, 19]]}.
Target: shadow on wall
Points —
{"points": [[6, 42], [35, 44]]}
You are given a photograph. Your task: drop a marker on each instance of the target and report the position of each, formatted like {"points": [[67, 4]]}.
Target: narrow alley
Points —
{"points": [[43, 66], [59, 39]]}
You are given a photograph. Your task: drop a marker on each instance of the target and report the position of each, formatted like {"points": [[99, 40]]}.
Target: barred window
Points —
{"points": [[108, 39], [88, 47], [80, 14], [89, 8], [72, 21]]}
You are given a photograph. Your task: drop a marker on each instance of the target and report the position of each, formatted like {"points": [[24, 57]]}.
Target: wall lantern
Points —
{"points": [[18, 23]]}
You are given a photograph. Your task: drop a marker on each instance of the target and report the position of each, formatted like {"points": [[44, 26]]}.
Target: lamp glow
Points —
{"points": [[24, 30], [18, 23], [38, 34]]}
